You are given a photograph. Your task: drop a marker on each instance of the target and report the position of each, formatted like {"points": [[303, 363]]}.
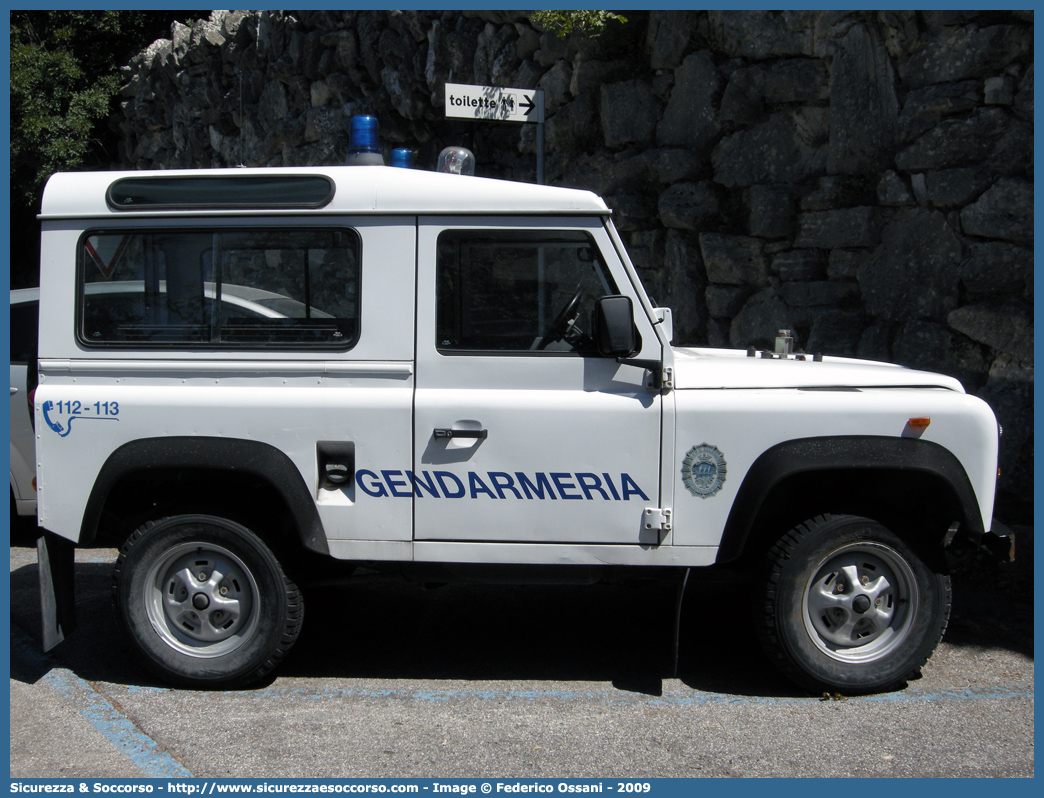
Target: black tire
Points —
{"points": [[204, 602], [829, 635]]}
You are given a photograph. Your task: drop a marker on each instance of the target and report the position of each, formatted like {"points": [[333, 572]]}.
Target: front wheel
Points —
{"points": [[849, 607], [204, 602]]}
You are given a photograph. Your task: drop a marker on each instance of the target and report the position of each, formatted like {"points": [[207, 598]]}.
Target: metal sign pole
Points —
{"points": [[540, 142]]}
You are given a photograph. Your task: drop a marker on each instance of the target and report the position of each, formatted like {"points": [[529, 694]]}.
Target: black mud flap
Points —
{"points": [[56, 557], [997, 545], [999, 542]]}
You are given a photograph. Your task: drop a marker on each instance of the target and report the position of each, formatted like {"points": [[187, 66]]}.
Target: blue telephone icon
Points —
{"points": [[48, 406]]}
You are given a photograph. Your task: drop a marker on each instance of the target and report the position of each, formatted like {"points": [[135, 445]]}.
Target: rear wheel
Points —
{"points": [[204, 602], [848, 606]]}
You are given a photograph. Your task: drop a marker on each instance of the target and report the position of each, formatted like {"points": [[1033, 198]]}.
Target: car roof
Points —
{"points": [[357, 190]]}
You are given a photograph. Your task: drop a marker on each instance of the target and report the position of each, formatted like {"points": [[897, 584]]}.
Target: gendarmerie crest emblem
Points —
{"points": [[703, 470]]}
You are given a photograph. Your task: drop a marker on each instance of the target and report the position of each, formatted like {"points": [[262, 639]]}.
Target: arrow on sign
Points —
{"points": [[527, 103]]}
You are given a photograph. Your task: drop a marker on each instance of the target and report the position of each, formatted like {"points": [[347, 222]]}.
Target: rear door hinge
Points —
{"points": [[657, 518]]}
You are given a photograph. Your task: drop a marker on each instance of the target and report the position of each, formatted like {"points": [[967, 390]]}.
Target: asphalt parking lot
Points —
{"points": [[391, 679]]}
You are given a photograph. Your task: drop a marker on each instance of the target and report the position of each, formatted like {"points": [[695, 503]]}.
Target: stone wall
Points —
{"points": [[862, 178]]}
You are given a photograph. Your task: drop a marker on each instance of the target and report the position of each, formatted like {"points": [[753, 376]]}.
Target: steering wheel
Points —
{"points": [[560, 325]]}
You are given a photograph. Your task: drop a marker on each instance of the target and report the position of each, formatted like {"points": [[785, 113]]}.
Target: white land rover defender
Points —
{"points": [[247, 375]]}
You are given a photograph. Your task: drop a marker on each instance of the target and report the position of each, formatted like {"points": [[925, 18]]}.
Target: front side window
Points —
{"points": [[228, 288], [518, 291]]}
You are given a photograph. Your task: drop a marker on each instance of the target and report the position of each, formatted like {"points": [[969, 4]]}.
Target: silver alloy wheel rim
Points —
{"points": [[201, 599], [860, 603]]}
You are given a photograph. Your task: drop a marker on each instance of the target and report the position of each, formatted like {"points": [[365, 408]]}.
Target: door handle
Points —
{"points": [[442, 432]]}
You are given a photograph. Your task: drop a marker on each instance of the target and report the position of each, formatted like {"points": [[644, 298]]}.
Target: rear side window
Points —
{"points": [[228, 288]]}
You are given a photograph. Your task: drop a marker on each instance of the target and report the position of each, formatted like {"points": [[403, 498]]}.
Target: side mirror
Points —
{"points": [[614, 331]]}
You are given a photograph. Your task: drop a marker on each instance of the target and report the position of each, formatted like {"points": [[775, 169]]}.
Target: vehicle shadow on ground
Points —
{"points": [[381, 627]]}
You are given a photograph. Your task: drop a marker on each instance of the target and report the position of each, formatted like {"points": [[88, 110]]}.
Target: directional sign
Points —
{"points": [[494, 103]]}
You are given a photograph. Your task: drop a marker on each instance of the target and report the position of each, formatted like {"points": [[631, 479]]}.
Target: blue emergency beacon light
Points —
{"points": [[402, 157], [364, 147]]}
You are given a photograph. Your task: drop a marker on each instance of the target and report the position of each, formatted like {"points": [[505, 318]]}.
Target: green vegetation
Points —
{"points": [[64, 83], [58, 95], [585, 23]]}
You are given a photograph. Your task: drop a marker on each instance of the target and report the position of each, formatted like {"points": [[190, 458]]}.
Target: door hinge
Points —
{"points": [[657, 518], [661, 378], [666, 384]]}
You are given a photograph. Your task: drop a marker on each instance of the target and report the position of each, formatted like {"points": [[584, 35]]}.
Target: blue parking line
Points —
{"points": [[97, 710], [119, 730]]}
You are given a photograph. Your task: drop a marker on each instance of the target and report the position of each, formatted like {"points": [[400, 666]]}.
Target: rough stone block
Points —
{"points": [[734, 260], [844, 263], [957, 186], [847, 227], [629, 113], [796, 80], [742, 102], [689, 206], [667, 37], [875, 343], [1024, 97], [864, 109], [932, 347], [682, 284], [797, 264], [718, 333], [788, 147], [1005, 211], [725, 301], [673, 164], [575, 127], [989, 134], [892, 191], [820, 293], [835, 332], [927, 107], [555, 83], [996, 268], [763, 315], [1008, 328], [999, 91], [759, 35], [588, 76], [771, 211], [913, 273], [632, 211], [970, 52], [837, 191], [528, 41], [646, 249], [689, 119]]}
